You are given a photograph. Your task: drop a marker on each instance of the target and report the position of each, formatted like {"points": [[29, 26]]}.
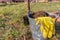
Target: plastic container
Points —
{"points": [[35, 29]]}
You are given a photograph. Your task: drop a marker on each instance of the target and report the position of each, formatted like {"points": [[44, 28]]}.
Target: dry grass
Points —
{"points": [[11, 19]]}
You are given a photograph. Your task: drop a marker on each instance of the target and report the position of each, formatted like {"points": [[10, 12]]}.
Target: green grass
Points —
{"points": [[49, 7], [11, 15]]}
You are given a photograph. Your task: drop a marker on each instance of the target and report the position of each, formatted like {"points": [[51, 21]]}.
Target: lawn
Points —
{"points": [[11, 22]]}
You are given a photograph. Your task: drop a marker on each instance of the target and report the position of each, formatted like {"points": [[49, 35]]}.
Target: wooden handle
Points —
{"points": [[28, 5]]}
